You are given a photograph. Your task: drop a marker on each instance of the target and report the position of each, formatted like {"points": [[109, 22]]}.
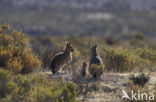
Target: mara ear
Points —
{"points": [[67, 43], [91, 44], [95, 45]]}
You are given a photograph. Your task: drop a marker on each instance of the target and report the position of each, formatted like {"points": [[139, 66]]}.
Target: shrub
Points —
{"points": [[124, 60], [14, 54], [120, 60], [137, 89], [139, 40], [147, 54], [140, 79], [4, 57], [69, 93], [6, 84], [60, 93], [96, 70], [34, 88], [45, 94]]}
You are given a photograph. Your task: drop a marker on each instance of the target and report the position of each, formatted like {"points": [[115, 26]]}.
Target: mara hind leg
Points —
{"points": [[54, 68]]}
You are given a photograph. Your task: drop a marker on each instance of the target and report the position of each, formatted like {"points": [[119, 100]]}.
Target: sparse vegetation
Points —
{"points": [[34, 88], [136, 88], [17, 58], [140, 79], [147, 54], [119, 60], [128, 60]]}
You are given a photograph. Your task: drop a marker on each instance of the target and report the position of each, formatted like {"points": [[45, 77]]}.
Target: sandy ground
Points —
{"points": [[111, 85]]}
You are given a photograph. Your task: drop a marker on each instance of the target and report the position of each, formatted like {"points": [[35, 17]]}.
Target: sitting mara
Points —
{"points": [[84, 69], [95, 64], [62, 59]]}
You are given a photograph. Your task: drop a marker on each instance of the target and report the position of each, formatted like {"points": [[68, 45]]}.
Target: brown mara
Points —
{"points": [[62, 59]]}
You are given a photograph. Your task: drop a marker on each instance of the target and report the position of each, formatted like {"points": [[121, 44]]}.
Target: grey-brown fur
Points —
{"points": [[62, 59], [95, 58], [83, 70]]}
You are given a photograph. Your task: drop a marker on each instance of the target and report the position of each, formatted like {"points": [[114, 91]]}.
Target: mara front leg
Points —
{"points": [[61, 68]]}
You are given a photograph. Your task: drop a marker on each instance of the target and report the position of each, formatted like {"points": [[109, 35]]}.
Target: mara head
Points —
{"points": [[69, 47], [93, 48]]}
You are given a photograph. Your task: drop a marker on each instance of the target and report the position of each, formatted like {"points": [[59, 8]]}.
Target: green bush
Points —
{"points": [[6, 84], [42, 94], [140, 79], [124, 60], [69, 93], [120, 60], [34, 88], [147, 54], [14, 54]]}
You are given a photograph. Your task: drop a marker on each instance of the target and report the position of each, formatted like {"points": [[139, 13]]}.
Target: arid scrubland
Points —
{"points": [[25, 75]]}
